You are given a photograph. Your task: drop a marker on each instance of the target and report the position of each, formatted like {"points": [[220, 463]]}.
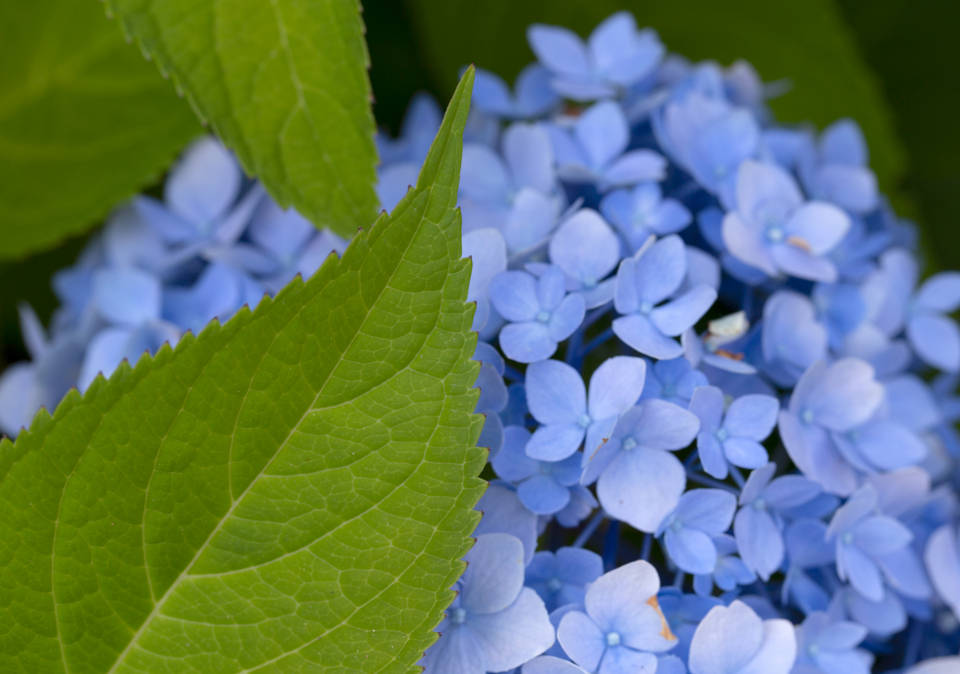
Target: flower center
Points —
{"points": [[721, 434], [458, 616], [613, 639], [628, 443], [847, 538], [775, 233], [807, 416], [583, 421], [543, 316], [760, 504], [554, 584], [646, 307]]}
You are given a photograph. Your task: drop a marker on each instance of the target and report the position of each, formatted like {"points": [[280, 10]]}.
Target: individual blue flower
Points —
{"points": [[595, 150], [942, 557], [503, 513], [494, 623], [732, 437], [201, 210], [934, 336], [708, 137], [828, 398], [861, 538], [567, 414], [112, 345], [420, 124], [488, 254], [758, 527], [515, 193], [540, 312], [728, 572], [621, 627], [710, 224], [836, 168], [774, 230], [217, 293], [532, 97], [673, 380], [688, 531], [649, 318], [827, 645], [542, 486], [615, 57], [642, 212], [587, 250], [639, 480], [883, 618], [562, 577], [734, 640]]}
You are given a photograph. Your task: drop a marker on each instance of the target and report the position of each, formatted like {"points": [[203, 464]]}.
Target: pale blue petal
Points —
{"points": [[542, 495], [559, 49], [634, 167], [860, 571], [942, 558], [752, 416], [725, 640], [746, 244], [455, 652], [483, 176], [679, 314], [567, 317], [555, 393], [548, 664], [759, 541], [553, 443], [639, 333], [494, 574], [529, 155], [585, 248], [691, 550], [940, 293], [819, 225], [126, 296], [581, 639], [709, 510], [777, 652], [602, 132], [511, 462], [711, 455], [514, 295], [615, 386], [204, 183], [627, 661], [745, 453], [490, 93], [936, 340], [503, 513], [515, 635], [641, 487], [660, 269], [881, 535], [707, 403]]}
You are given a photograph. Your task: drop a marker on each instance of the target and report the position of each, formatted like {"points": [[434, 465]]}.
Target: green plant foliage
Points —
{"points": [[284, 84], [84, 122], [288, 492], [804, 43]]}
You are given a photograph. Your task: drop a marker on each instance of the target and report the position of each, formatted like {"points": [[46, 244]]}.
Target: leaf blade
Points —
{"points": [[287, 511], [84, 122], [284, 83]]}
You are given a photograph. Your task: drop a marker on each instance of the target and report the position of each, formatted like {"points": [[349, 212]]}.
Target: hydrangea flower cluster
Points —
{"points": [[719, 400]]}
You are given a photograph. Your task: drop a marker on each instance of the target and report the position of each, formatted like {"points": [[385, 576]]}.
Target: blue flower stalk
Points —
{"points": [[719, 398]]}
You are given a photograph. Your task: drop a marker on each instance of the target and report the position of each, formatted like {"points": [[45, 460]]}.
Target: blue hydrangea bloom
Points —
{"points": [[540, 312], [615, 57], [732, 436], [650, 312], [495, 623], [562, 577], [861, 538], [642, 212], [758, 526], [774, 230], [734, 640], [728, 572], [595, 150], [688, 531], [587, 251], [557, 399], [639, 480], [621, 626], [835, 169], [673, 380]]}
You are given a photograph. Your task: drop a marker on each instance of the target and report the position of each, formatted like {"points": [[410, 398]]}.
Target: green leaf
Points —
{"points": [[806, 43], [84, 122], [284, 83], [288, 492]]}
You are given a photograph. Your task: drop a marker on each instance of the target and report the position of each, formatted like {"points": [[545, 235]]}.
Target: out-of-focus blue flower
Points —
{"points": [[217, 294], [639, 481], [773, 229], [517, 193], [807, 551], [532, 97], [836, 168], [493, 397], [734, 640], [728, 572], [732, 436], [503, 513], [759, 524], [494, 623], [835, 397], [615, 57], [594, 150], [557, 399], [934, 337], [420, 124], [942, 557], [539, 311], [488, 254], [586, 249], [947, 665], [861, 538], [109, 347], [561, 578], [645, 284], [622, 626], [641, 212], [826, 645], [201, 212], [543, 486], [688, 531], [673, 380], [708, 137]]}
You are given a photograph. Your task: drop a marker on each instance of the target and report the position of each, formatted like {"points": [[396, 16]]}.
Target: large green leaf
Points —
{"points": [[284, 83], [288, 492], [805, 43], [84, 122]]}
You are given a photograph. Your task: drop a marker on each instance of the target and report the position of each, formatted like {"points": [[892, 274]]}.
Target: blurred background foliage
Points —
{"points": [[890, 64]]}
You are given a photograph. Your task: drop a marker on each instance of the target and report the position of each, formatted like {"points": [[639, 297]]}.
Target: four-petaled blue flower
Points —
{"points": [[688, 531], [732, 436]]}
